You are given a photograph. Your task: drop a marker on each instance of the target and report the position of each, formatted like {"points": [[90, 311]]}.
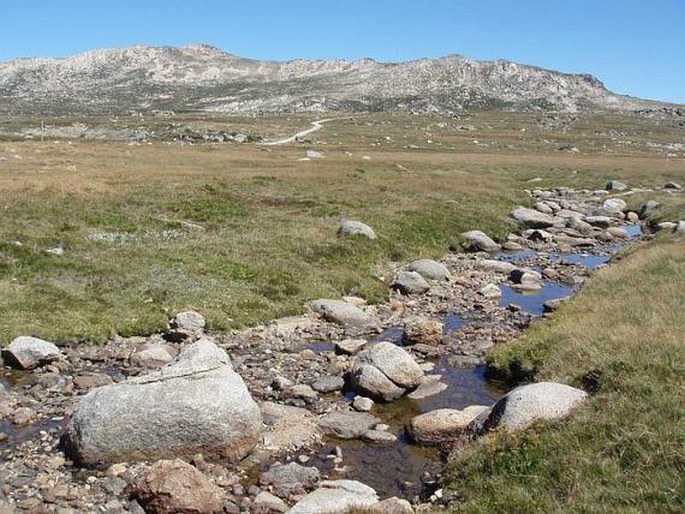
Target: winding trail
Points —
{"points": [[316, 125]]}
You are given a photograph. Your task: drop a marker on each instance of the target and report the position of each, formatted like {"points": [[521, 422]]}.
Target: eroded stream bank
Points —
{"points": [[298, 370]]}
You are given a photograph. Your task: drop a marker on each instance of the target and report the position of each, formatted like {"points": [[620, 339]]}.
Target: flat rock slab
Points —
{"points": [[343, 313], [527, 404], [532, 218], [197, 404], [336, 497], [29, 352], [347, 424]]}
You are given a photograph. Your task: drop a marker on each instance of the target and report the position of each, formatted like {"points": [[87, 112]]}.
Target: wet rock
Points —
{"points": [[491, 291], [172, 486], [153, 356], [379, 436], [477, 241], [343, 313], [349, 346], [336, 497], [362, 403], [290, 480], [673, 186], [527, 404], [430, 270], [618, 232], [198, 404], [356, 228], [421, 330], [394, 362], [347, 424], [287, 427], [532, 218], [615, 185], [91, 380], [410, 282], [442, 425], [267, 503], [27, 352], [427, 390], [186, 325], [328, 384], [496, 266], [582, 242], [526, 276], [392, 505]]}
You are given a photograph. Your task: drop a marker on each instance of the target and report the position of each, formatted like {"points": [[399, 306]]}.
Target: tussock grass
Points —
{"points": [[622, 336]]}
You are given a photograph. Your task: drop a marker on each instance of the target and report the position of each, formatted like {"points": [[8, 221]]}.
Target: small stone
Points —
{"points": [[362, 403], [392, 505], [477, 241], [674, 186], [532, 218], [442, 425], [347, 424], [615, 185], [491, 291], [426, 390], [421, 330], [379, 436], [328, 384], [430, 270], [267, 503], [614, 205], [349, 346], [92, 380], [410, 282]]}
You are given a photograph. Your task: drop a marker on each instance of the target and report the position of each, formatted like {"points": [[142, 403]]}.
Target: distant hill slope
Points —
{"points": [[143, 79]]}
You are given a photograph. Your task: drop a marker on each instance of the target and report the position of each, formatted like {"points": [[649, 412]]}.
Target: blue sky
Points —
{"points": [[635, 47]]}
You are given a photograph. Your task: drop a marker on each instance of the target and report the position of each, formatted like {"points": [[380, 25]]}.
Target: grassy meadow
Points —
{"points": [[245, 233]]}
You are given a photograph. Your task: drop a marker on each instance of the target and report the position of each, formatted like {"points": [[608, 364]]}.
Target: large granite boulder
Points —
{"points": [[197, 404], [527, 404], [29, 352], [532, 218], [384, 372]]}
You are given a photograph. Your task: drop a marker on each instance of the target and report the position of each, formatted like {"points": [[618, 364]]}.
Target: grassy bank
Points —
{"points": [[622, 336]]}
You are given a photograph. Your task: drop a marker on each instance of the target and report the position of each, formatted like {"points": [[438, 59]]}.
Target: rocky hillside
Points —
{"points": [[144, 79]]}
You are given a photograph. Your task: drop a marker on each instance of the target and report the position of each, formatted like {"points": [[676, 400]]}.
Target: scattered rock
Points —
{"points": [[526, 277], [532, 218], [674, 186], [477, 241], [313, 154], [491, 291], [392, 505], [599, 221], [356, 228], [186, 325], [679, 230], [646, 209], [394, 362], [267, 503], [153, 356], [289, 480], [379, 436], [496, 266], [172, 486], [527, 404], [614, 205], [369, 380], [362, 403], [615, 185], [328, 384], [442, 425], [287, 427], [430, 270], [421, 330], [618, 232], [410, 282], [427, 390], [198, 404], [90, 380], [347, 424], [336, 497], [27, 352]]}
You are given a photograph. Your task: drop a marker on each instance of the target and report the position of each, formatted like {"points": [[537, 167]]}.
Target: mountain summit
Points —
{"points": [[204, 78]]}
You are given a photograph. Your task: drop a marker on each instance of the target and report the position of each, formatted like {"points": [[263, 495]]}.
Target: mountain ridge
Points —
{"points": [[205, 78]]}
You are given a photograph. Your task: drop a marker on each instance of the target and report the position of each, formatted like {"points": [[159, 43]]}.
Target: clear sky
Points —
{"points": [[635, 47]]}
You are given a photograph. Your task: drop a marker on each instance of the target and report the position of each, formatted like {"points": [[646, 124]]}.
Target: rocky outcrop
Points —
{"points": [[197, 404]]}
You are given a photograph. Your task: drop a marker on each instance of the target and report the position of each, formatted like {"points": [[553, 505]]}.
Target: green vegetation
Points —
{"points": [[622, 337], [246, 233]]}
